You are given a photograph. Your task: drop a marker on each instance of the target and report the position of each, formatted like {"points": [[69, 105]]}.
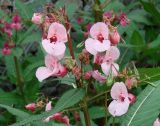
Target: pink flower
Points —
{"points": [[6, 51], [88, 75], [108, 14], [108, 66], [98, 76], [8, 29], [16, 22], [98, 58], [130, 82], [114, 37], [37, 18], [132, 98], [54, 44], [123, 19], [156, 122], [120, 103], [99, 41], [79, 20], [48, 106], [52, 68], [31, 106]]}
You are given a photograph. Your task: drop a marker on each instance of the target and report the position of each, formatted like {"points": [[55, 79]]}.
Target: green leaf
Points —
{"points": [[155, 43], [137, 40], [10, 98], [146, 109], [151, 8], [67, 100], [14, 111], [97, 112], [150, 74]]}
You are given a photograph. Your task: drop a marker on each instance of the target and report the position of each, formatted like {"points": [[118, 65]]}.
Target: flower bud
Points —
{"points": [[77, 72], [131, 82], [132, 98], [69, 63], [37, 18], [6, 51], [114, 37], [88, 75], [31, 106], [84, 56]]}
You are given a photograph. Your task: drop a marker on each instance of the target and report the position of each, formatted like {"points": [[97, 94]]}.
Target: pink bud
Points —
{"points": [[57, 116], [130, 82], [62, 71], [107, 14], [123, 19], [65, 120], [16, 26], [31, 106], [88, 75], [114, 37], [132, 98], [37, 18], [88, 27], [86, 34], [79, 20], [16, 19], [76, 116], [6, 51]]}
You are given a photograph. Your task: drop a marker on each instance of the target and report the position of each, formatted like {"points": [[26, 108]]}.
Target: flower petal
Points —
{"points": [[43, 73], [98, 76], [156, 122], [48, 106], [58, 30], [115, 69], [89, 45], [55, 49], [101, 46], [118, 108], [118, 89], [106, 67], [99, 28]]}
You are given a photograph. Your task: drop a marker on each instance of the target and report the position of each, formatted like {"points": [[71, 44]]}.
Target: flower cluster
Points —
{"points": [[54, 45]]}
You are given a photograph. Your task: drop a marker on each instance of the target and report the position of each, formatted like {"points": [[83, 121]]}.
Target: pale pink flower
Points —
{"points": [[114, 37], [37, 18], [54, 44], [120, 103], [108, 66], [31, 106], [99, 41], [52, 68], [98, 76], [48, 106], [156, 122]]}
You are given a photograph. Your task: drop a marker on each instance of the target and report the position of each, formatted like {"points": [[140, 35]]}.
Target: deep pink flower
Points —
{"points": [[52, 68], [123, 19], [6, 51], [108, 14], [108, 66], [37, 18], [88, 75], [99, 41], [156, 122], [114, 37], [132, 98], [79, 20], [31, 106], [98, 76], [54, 44], [120, 103]]}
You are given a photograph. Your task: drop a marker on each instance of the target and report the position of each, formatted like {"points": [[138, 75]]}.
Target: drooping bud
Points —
{"points": [[132, 98], [37, 18], [114, 37], [6, 51], [31, 107], [84, 56], [77, 72], [88, 75], [131, 82]]}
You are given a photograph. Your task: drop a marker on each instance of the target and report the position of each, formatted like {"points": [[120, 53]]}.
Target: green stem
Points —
{"points": [[97, 11], [113, 123], [86, 113], [19, 78], [106, 106]]}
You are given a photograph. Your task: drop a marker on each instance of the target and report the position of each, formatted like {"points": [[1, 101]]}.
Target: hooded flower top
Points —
{"points": [[54, 44], [99, 39]]}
